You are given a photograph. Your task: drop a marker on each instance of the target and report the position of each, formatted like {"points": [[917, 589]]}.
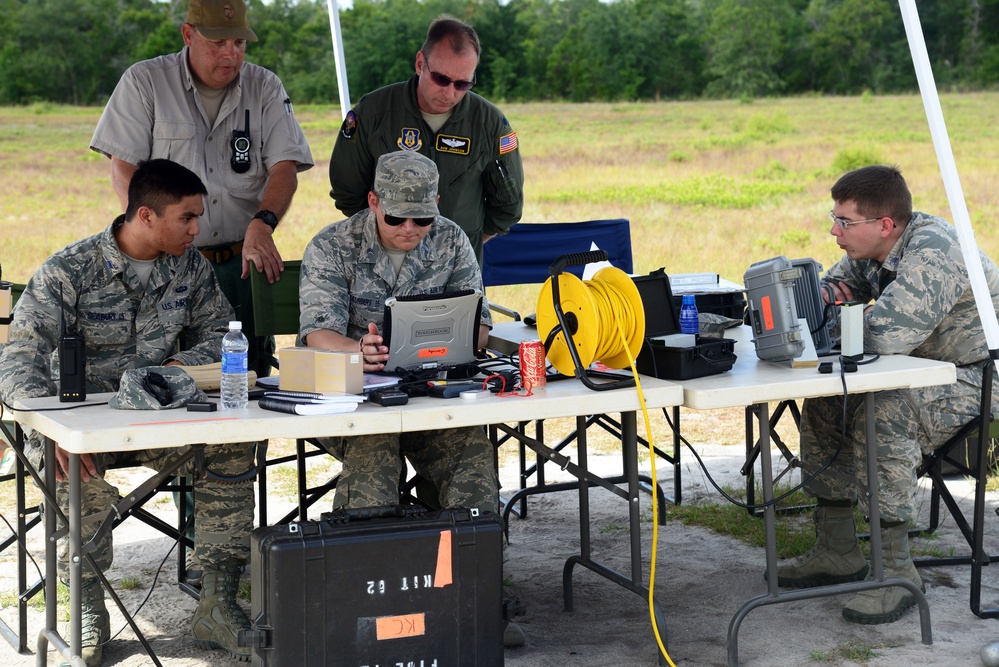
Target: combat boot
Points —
{"points": [[96, 624], [836, 557], [219, 618], [885, 605]]}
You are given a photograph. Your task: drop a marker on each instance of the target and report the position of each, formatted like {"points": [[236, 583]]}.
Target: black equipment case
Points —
{"points": [[708, 357], [379, 586]]}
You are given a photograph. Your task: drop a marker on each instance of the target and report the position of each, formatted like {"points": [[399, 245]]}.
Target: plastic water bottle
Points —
{"points": [[689, 324], [234, 368]]}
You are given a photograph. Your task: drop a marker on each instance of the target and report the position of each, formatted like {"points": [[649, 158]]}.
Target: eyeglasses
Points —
{"points": [[444, 81], [845, 224], [395, 221]]}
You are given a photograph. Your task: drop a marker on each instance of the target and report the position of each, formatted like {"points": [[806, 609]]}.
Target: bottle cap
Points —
{"points": [[688, 298], [235, 325]]}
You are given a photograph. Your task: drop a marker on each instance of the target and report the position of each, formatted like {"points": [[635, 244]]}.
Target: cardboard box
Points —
{"points": [[310, 369]]}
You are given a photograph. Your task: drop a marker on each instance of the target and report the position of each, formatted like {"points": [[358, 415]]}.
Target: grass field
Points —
{"points": [[708, 186]]}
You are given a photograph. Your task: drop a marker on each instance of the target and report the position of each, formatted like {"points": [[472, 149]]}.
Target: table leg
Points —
{"points": [[874, 512], [629, 443], [51, 631], [75, 560], [773, 594], [629, 446]]}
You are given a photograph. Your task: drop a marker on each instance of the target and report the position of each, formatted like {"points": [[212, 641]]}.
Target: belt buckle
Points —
{"points": [[218, 255]]}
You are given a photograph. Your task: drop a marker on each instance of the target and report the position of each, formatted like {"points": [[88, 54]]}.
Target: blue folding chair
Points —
{"points": [[524, 256]]}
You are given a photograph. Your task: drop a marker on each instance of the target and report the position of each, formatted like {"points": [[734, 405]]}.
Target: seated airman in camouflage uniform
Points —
{"points": [[399, 246], [909, 266], [134, 290]]}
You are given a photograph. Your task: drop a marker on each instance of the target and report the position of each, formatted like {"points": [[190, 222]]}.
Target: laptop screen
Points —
{"points": [[424, 332]]}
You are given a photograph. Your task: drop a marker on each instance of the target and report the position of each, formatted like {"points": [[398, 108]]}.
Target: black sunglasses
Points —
{"points": [[395, 221], [157, 386], [445, 81]]}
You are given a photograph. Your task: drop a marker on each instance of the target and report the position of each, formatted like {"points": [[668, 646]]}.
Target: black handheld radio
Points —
{"points": [[240, 159], [72, 361]]}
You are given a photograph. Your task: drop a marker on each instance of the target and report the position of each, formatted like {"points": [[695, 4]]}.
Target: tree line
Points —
{"points": [[74, 51]]}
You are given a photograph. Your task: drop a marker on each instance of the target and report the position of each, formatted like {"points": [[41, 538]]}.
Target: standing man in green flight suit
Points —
{"points": [[436, 114]]}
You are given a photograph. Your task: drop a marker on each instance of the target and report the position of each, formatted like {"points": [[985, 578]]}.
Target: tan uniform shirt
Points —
{"points": [[156, 112]]}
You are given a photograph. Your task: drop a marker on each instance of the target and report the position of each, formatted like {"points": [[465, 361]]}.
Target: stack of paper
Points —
{"points": [[309, 403], [371, 381]]}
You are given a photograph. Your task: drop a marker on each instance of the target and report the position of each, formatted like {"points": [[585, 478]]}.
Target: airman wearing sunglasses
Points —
{"points": [[400, 246], [436, 114]]}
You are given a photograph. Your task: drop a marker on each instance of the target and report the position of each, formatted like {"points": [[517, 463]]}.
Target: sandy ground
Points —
{"points": [[702, 579]]}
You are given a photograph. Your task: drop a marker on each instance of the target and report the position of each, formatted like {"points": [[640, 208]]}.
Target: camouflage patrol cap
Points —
{"points": [[220, 19], [406, 184], [155, 388]]}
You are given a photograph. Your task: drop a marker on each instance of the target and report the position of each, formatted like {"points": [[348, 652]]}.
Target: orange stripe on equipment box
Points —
{"points": [[768, 313]]}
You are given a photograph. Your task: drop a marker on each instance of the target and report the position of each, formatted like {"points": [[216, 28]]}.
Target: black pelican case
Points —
{"points": [[708, 357], [379, 586]]}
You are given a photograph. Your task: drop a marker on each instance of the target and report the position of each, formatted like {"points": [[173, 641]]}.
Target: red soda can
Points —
{"points": [[532, 365]]}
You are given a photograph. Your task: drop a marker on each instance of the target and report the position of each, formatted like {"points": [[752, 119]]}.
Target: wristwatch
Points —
{"points": [[268, 217]]}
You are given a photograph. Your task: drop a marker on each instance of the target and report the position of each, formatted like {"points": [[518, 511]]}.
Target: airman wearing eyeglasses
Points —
{"points": [[436, 114], [909, 267]]}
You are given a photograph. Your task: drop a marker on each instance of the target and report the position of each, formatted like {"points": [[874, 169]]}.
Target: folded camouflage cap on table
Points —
{"points": [[156, 388]]}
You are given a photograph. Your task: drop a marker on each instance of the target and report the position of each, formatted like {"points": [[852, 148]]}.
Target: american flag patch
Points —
{"points": [[508, 143]]}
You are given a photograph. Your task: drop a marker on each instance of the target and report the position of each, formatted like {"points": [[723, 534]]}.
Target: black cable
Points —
{"points": [[180, 533], [23, 546], [868, 361], [68, 406], [804, 482]]}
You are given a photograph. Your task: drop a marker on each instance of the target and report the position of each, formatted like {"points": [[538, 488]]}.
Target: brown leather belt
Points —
{"points": [[220, 254]]}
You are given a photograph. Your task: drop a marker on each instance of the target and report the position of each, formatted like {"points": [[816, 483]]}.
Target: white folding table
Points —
{"points": [[755, 382], [85, 430]]}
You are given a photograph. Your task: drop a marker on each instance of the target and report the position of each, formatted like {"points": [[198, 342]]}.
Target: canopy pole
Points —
{"points": [[948, 168], [341, 65]]}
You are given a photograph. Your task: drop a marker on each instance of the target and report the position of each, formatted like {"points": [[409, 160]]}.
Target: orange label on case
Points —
{"points": [[432, 353], [396, 627], [442, 576], [768, 313]]}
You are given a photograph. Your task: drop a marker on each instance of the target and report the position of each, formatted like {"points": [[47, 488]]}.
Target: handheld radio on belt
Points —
{"points": [[240, 159]]}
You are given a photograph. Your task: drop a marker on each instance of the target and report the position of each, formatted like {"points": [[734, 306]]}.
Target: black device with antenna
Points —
{"points": [[240, 159], [72, 360]]}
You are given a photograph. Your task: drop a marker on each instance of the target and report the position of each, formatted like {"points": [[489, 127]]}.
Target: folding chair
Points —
{"points": [[26, 519], [961, 458], [29, 517], [524, 256], [276, 313]]}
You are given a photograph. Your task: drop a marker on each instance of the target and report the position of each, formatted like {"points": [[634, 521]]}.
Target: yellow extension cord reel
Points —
{"points": [[585, 321], [601, 319]]}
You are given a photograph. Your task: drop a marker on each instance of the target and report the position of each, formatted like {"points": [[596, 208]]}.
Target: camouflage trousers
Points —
{"points": [[460, 462], [908, 423], [223, 512]]}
